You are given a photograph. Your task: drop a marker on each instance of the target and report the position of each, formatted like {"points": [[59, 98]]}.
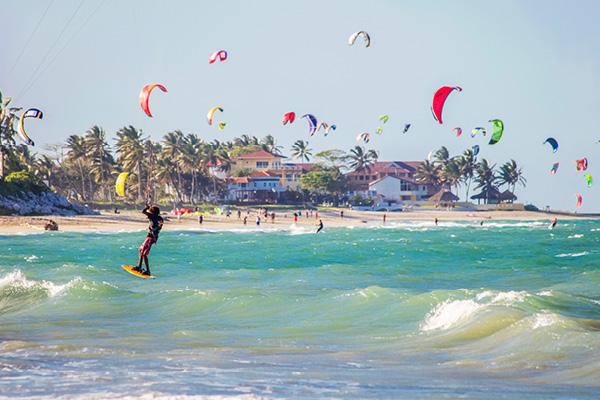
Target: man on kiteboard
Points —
{"points": [[156, 223]]}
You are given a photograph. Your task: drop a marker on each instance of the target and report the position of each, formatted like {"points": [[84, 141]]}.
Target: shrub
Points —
{"points": [[22, 181]]}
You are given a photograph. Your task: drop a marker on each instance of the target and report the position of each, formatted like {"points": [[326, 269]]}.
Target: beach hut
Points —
{"points": [[444, 195], [507, 197], [489, 196]]}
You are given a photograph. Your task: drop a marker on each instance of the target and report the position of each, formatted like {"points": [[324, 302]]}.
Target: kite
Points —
{"points": [[458, 131], [384, 118], [365, 36], [439, 99], [145, 94], [363, 136], [581, 164], [209, 116], [312, 123], [31, 113], [429, 155], [222, 55], [222, 125], [579, 200], [289, 117], [379, 130], [554, 168], [498, 131], [321, 125], [406, 128], [327, 129], [120, 184], [475, 131], [553, 143], [475, 149], [589, 179]]}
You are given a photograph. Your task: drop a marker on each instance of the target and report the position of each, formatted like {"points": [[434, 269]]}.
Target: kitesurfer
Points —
{"points": [[156, 223], [320, 225], [553, 223]]}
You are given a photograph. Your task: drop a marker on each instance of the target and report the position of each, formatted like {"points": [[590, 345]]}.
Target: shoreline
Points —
{"points": [[132, 220]]}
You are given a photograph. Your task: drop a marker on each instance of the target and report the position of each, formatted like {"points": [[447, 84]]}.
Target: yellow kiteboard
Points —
{"points": [[129, 268]]}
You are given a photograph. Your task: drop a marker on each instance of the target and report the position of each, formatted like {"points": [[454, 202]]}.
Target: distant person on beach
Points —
{"points": [[272, 217], [200, 219], [341, 214], [320, 225], [258, 220], [156, 223], [239, 214], [245, 220], [436, 222], [553, 223], [116, 211], [384, 219]]}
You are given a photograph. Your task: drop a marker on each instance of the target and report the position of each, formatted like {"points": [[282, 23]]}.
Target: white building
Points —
{"points": [[262, 186], [395, 189]]}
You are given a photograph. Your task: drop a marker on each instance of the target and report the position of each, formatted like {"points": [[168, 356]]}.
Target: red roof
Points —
{"points": [[243, 179], [259, 154], [390, 167], [400, 178], [265, 174]]}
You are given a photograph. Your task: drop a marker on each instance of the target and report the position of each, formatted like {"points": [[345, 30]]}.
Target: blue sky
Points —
{"points": [[532, 64]]}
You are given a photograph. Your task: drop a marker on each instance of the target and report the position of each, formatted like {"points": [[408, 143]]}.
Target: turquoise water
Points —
{"points": [[410, 310]]}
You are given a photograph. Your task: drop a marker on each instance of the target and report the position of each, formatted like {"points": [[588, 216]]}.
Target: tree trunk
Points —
{"points": [[139, 171], [1, 162]]}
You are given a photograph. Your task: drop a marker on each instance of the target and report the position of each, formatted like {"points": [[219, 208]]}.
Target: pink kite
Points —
{"points": [[145, 94], [439, 99], [579, 200], [581, 164]]}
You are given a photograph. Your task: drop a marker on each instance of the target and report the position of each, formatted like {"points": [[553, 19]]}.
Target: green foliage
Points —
{"points": [[22, 181], [358, 200], [242, 172]]}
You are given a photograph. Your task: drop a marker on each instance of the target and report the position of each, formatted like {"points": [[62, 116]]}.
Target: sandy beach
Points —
{"points": [[131, 220]]}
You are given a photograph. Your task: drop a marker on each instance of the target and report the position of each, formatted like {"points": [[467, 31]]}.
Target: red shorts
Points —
{"points": [[145, 247]]}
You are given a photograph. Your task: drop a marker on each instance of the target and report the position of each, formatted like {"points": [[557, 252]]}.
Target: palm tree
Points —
{"points": [[172, 146], [359, 159], [77, 154], [429, 174], [269, 143], [7, 130], [486, 177], [300, 150], [131, 149], [191, 159], [467, 168], [442, 157], [510, 175], [102, 162], [452, 174]]}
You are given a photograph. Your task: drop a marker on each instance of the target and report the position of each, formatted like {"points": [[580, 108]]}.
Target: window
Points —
{"points": [[288, 177], [243, 184], [362, 178], [262, 164]]}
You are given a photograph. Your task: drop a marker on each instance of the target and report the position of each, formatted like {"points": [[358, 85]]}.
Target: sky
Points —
{"points": [[534, 64]]}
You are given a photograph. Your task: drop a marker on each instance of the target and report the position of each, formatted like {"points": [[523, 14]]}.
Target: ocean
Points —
{"points": [[408, 310]]}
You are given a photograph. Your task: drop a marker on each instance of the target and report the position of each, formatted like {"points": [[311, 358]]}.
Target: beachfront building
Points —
{"points": [[260, 160], [393, 189], [261, 186], [359, 181]]}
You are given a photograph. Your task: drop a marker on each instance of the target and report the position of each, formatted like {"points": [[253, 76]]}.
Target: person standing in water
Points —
{"points": [[156, 223], [320, 225]]}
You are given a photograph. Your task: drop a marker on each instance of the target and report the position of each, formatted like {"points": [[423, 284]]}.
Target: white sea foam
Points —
{"points": [[575, 236], [584, 253], [542, 320], [16, 279], [448, 313], [451, 312]]}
